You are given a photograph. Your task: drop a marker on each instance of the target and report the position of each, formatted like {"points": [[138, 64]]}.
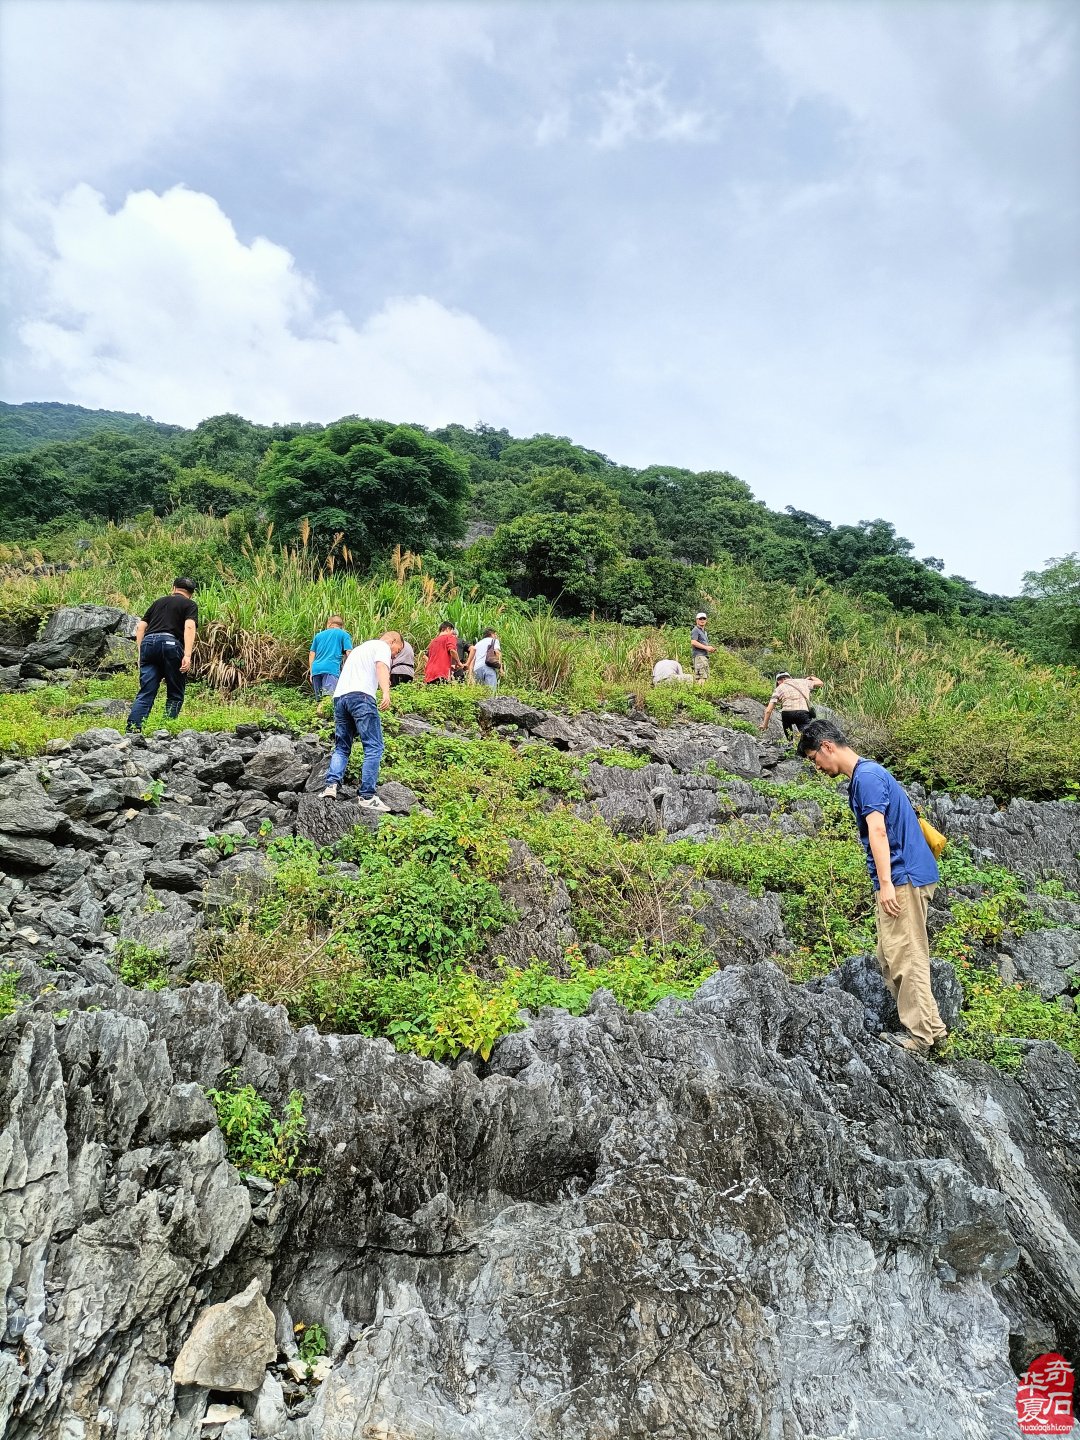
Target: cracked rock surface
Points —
{"points": [[735, 1216]]}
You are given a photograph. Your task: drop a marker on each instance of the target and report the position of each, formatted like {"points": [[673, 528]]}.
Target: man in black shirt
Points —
{"points": [[165, 637]]}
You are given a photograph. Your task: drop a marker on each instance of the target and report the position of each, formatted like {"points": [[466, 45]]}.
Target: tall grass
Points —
{"points": [[942, 703]]}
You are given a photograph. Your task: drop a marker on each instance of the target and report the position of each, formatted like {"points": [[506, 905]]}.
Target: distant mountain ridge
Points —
{"points": [[37, 422]]}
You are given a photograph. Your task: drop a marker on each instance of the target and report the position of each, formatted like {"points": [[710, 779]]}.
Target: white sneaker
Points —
{"points": [[330, 793], [374, 803]]}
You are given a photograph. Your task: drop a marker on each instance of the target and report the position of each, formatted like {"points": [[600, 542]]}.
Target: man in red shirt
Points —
{"points": [[442, 656]]}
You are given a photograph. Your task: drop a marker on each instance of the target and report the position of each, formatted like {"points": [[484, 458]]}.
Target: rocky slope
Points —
{"points": [[740, 1215]]}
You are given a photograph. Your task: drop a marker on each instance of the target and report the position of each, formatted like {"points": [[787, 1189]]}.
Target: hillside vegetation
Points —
{"points": [[590, 569], [943, 704]]}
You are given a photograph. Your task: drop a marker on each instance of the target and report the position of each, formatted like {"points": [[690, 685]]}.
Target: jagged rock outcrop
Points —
{"points": [[75, 638], [1037, 839], [725, 1218], [740, 1215]]}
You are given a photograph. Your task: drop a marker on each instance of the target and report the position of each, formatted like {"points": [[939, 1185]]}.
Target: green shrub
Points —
{"points": [[620, 759], [10, 995], [258, 1142], [140, 966]]}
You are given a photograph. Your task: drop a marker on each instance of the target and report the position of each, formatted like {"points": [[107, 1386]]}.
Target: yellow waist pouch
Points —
{"points": [[933, 837]]}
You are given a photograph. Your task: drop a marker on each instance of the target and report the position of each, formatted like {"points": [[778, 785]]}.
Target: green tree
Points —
{"points": [[377, 484], [1051, 606], [565, 558], [905, 583]]}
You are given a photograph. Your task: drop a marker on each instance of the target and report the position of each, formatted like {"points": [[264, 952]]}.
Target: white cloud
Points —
{"points": [[160, 307], [638, 108]]}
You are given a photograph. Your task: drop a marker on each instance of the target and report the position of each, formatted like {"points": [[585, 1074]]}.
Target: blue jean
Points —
{"points": [[356, 716], [159, 659], [323, 685], [487, 676]]}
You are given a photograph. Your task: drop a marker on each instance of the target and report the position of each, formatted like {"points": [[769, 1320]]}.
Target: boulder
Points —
{"points": [[276, 766], [542, 929], [75, 635], [107, 709], [563, 734], [173, 930], [1046, 960], [230, 1346], [26, 808], [506, 710], [861, 977], [268, 1413], [242, 879], [325, 822], [740, 928], [1037, 839]]}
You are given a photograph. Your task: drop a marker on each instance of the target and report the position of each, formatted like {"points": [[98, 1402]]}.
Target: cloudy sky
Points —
{"points": [[831, 248]]}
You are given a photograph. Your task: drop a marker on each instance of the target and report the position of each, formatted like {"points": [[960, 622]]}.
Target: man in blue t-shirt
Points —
{"points": [[326, 656], [905, 876]]}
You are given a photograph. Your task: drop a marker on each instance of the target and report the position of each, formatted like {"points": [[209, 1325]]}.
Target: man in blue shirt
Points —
{"points": [[328, 651], [905, 875]]}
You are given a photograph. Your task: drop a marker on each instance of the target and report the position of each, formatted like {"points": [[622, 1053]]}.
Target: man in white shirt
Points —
{"points": [[485, 660], [668, 670], [365, 674]]}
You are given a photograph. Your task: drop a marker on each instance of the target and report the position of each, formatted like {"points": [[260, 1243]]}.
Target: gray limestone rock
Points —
{"points": [[173, 930], [506, 710], [26, 808], [739, 928], [542, 929], [673, 1222], [76, 635], [231, 1345], [276, 766], [860, 976], [241, 878], [1047, 960], [107, 709], [27, 852], [1037, 839]]}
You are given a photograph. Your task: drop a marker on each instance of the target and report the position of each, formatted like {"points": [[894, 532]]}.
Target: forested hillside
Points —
{"points": [[39, 421], [393, 523]]}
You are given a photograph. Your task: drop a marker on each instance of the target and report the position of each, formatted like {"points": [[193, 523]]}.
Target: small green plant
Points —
{"points": [[312, 1343], [10, 995], [141, 966], [227, 845], [470, 1016], [154, 793], [258, 1142], [622, 759], [151, 904]]}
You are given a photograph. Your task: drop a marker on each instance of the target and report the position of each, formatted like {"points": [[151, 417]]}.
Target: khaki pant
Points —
{"points": [[701, 665], [903, 952]]}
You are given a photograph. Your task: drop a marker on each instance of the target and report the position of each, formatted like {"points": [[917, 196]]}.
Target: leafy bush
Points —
{"points": [[258, 1142], [10, 996], [140, 966]]}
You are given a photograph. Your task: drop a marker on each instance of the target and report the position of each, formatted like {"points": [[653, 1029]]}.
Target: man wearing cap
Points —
{"points": [[700, 649], [793, 697], [165, 638]]}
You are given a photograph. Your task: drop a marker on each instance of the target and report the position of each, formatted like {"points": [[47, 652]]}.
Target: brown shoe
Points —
{"points": [[904, 1042]]}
